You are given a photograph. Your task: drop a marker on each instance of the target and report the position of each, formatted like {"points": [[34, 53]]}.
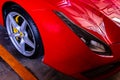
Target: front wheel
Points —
{"points": [[22, 31]]}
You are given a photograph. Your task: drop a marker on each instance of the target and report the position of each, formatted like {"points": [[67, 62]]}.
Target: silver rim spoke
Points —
{"points": [[23, 26], [14, 35], [22, 45], [13, 22], [29, 42]]}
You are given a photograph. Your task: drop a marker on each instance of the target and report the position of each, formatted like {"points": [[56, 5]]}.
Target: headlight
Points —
{"points": [[97, 47], [90, 40]]}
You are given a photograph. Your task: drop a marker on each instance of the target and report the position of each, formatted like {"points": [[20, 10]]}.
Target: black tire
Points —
{"points": [[38, 51]]}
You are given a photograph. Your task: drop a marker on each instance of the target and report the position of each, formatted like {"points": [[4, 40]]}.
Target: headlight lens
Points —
{"points": [[91, 41], [96, 46]]}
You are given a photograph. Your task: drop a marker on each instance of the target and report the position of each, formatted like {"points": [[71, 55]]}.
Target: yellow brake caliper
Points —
{"points": [[17, 19], [15, 30]]}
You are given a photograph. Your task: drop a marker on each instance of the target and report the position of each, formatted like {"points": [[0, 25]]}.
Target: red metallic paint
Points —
{"points": [[64, 50]]}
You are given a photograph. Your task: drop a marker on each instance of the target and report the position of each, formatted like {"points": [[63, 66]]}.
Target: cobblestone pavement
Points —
{"points": [[40, 70]]}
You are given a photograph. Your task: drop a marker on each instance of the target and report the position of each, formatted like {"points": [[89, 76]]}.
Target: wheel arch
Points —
{"points": [[7, 4]]}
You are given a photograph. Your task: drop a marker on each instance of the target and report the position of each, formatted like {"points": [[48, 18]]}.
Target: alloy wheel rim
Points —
{"points": [[20, 33]]}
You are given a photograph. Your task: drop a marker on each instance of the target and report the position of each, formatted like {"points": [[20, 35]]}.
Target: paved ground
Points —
{"points": [[40, 70]]}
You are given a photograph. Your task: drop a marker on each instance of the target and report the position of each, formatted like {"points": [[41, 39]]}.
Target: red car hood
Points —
{"points": [[92, 20]]}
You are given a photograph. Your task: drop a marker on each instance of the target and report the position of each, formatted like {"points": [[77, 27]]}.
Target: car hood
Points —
{"points": [[92, 20]]}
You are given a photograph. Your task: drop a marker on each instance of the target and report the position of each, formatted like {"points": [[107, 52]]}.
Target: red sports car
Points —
{"points": [[77, 37]]}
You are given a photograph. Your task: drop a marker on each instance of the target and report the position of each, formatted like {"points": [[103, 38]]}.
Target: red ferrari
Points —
{"points": [[77, 37]]}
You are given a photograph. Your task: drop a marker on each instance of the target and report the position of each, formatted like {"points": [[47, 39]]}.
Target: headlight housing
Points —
{"points": [[90, 40]]}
